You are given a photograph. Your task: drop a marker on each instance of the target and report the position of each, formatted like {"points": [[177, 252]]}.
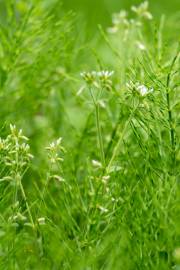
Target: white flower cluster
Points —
{"points": [[121, 20], [140, 89], [19, 219], [102, 209], [89, 77], [14, 153], [101, 79], [142, 11], [54, 150], [41, 221]]}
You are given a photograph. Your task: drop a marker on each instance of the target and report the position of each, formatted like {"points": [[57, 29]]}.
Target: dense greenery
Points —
{"points": [[89, 142]]}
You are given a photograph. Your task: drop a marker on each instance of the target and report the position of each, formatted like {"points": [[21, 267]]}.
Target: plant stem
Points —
{"points": [[99, 135], [27, 205], [100, 140], [116, 148], [170, 116], [170, 120]]}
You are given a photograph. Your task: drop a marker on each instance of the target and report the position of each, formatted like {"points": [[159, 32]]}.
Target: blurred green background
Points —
{"points": [[95, 12], [100, 11]]}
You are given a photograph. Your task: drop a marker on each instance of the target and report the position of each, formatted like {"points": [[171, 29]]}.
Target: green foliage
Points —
{"points": [[95, 184]]}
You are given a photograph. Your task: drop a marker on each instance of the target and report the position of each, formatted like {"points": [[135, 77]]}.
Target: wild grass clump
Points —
{"points": [[94, 182]]}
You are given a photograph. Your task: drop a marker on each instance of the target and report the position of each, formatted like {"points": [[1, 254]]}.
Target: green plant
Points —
{"points": [[106, 196]]}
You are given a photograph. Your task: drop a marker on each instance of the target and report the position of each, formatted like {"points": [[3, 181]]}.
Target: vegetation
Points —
{"points": [[89, 137]]}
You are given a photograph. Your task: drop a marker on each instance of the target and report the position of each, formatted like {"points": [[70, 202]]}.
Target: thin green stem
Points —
{"points": [[116, 148], [170, 114], [171, 125], [27, 205], [99, 133]]}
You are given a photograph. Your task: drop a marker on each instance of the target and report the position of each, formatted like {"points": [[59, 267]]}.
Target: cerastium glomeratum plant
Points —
{"points": [[106, 196], [98, 81], [55, 151], [15, 158]]}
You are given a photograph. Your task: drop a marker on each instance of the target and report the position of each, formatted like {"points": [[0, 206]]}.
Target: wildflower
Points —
{"points": [[102, 209], [55, 145], [135, 23], [99, 79], [118, 20], [105, 179], [53, 151], [143, 90], [114, 168], [96, 164], [119, 17], [16, 152], [41, 221], [142, 10], [105, 74], [18, 218], [58, 178], [140, 45], [89, 77], [18, 134], [104, 78]]}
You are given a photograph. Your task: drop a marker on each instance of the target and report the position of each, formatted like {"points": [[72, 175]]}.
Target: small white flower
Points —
{"points": [[12, 128], [105, 79], [98, 79], [89, 77], [120, 21], [105, 74], [103, 209], [56, 145], [112, 30], [41, 221], [135, 23], [105, 179], [59, 178], [18, 134], [54, 149], [119, 18], [18, 218], [140, 45], [96, 164], [143, 90], [142, 10], [114, 168]]}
